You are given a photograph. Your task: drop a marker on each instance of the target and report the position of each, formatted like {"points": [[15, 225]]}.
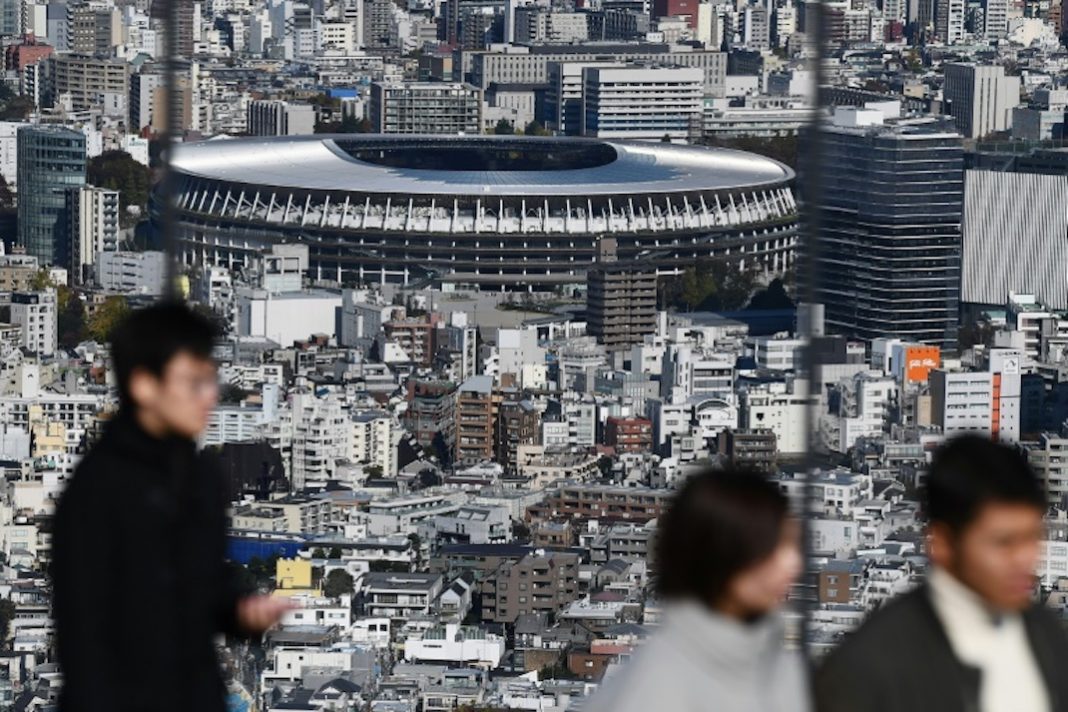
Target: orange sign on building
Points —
{"points": [[919, 360]]}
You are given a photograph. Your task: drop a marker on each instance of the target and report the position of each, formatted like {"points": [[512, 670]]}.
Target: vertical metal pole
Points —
{"points": [[810, 165], [168, 184]]}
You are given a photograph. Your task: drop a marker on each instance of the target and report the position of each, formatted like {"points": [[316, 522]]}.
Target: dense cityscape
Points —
{"points": [[494, 277]]}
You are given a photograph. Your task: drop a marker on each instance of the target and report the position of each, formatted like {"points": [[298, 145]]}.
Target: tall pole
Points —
{"points": [[168, 184], [811, 165]]}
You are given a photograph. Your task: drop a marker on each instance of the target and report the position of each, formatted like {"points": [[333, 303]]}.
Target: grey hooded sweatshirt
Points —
{"points": [[700, 661]]}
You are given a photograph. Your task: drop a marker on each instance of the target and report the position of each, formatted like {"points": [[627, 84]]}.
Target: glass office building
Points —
{"points": [[891, 230], [51, 159]]}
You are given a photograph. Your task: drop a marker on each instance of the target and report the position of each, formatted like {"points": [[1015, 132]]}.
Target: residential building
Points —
{"points": [[474, 418], [539, 582], [93, 218], [35, 314], [620, 304]]}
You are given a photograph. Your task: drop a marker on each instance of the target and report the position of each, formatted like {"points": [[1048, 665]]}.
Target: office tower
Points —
{"points": [[10, 17], [620, 300], [93, 227], [980, 98], [949, 21], [889, 258], [426, 107], [143, 88], [51, 159]]}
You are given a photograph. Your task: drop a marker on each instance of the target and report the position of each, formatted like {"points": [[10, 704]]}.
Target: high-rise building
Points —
{"points": [[143, 88], [642, 102], [980, 98], [280, 118], [996, 19], [949, 20], [889, 262], [35, 314], [51, 159], [475, 418], [10, 17], [93, 225], [426, 107], [620, 303], [518, 423]]}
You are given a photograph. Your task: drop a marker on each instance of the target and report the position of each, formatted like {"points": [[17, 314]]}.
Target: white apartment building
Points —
{"points": [[643, 102], [93, 215], [35, 314]]}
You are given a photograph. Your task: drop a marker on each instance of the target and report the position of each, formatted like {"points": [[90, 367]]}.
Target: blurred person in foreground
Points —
{"points": [[726, 554], [141, 583], [970, 639]]}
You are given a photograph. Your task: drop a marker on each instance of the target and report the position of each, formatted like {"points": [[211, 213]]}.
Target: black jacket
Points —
{"points": [[901, 660], [141, 585]]}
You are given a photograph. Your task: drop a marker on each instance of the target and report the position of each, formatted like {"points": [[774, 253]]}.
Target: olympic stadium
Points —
{"points": [[494, 212]]}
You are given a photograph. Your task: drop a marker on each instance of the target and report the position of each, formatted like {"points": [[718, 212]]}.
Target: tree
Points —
{"points": [[107, 316], [117, 170], [318, 553], [504, 127], [373, 471], [70, 319], [535, 128], [338, 582], [335, 552], [773, 297]]}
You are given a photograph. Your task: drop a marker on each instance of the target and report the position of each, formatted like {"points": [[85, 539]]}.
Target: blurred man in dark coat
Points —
{"points": [[141, 584]]}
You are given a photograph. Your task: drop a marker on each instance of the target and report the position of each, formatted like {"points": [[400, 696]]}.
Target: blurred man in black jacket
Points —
{"points": [[141, 583], [971, 639]]}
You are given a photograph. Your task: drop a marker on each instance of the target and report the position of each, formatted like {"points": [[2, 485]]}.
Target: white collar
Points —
{"points": [[959, 607]]}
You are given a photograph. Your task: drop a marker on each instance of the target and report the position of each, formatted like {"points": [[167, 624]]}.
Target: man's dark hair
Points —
{"points": [[721, 522], [971, 471], [149, 338]]}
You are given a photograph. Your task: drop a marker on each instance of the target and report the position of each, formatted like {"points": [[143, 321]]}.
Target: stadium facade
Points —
{"points": [[497, 212]]}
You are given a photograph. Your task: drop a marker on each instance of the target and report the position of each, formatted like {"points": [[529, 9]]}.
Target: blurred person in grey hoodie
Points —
{"points": [[727, 551]]}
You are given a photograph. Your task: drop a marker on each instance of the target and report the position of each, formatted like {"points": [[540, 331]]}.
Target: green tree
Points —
{"points": [[117, 170], [107, 316], [338, 582], [504, 127], [335, 552], [70, 319], [535, 128]]}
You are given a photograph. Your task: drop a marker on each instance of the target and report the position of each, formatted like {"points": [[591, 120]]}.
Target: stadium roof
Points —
{"points": [[386, 165]]}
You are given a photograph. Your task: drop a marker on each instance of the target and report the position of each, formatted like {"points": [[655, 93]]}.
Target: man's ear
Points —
{"points": [[941, 544], [143, 386]]}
